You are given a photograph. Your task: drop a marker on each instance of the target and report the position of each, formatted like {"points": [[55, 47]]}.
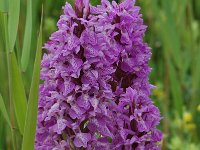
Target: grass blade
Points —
{"points": [[4, 5], [18, 93], [6, 116], [31, 116], [4, 111], [13, 21], [27, 37], [172, 36], [4, 25], [2, 32], [176, 90]]}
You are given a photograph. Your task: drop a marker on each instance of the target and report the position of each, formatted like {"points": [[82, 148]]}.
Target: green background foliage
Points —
{"points": [[173, 34]]}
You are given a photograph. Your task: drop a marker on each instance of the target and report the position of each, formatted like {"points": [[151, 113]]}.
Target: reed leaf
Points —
{"points": [[13, 21], [175, 90], [31, 115], [18, 93], [27, 38], [171, 35], [4, 111], [4, 5]]}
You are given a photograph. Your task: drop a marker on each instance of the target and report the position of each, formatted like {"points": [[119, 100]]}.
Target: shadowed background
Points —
{"points": [[173, 34]]}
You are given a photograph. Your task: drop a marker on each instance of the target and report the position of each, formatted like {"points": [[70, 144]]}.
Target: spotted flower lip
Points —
{"points": [[96, 90]]}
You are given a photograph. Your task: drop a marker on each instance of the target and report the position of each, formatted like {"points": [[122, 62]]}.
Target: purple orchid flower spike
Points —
{"points": [[96, 90]]}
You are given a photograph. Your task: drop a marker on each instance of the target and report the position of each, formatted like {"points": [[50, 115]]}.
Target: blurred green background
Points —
{"points": [[173, 34]]}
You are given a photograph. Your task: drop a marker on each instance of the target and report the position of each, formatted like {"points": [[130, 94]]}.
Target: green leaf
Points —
{"points": [[6, 43], [4, 111], [95, 2], [196, 70], [18, 93], [172, 39], [195, 81], [13, 21], [31, 116], [27, 37], [4, 5], [2, 32], [176, 90]]}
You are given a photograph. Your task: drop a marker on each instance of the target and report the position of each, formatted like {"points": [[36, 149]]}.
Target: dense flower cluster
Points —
{"points": [[95, 94]]}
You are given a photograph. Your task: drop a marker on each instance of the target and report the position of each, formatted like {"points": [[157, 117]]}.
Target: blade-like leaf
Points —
{"points": [[172, 38], [27, 37], [4, 24], [195, 81], [13, 21], [176, 90], [2, 33], [18, 93], [31, 116], [4, 111], [4, 5]]}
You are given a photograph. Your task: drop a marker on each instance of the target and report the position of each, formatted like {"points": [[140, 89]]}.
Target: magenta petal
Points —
{"points": [[82, 139]]}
